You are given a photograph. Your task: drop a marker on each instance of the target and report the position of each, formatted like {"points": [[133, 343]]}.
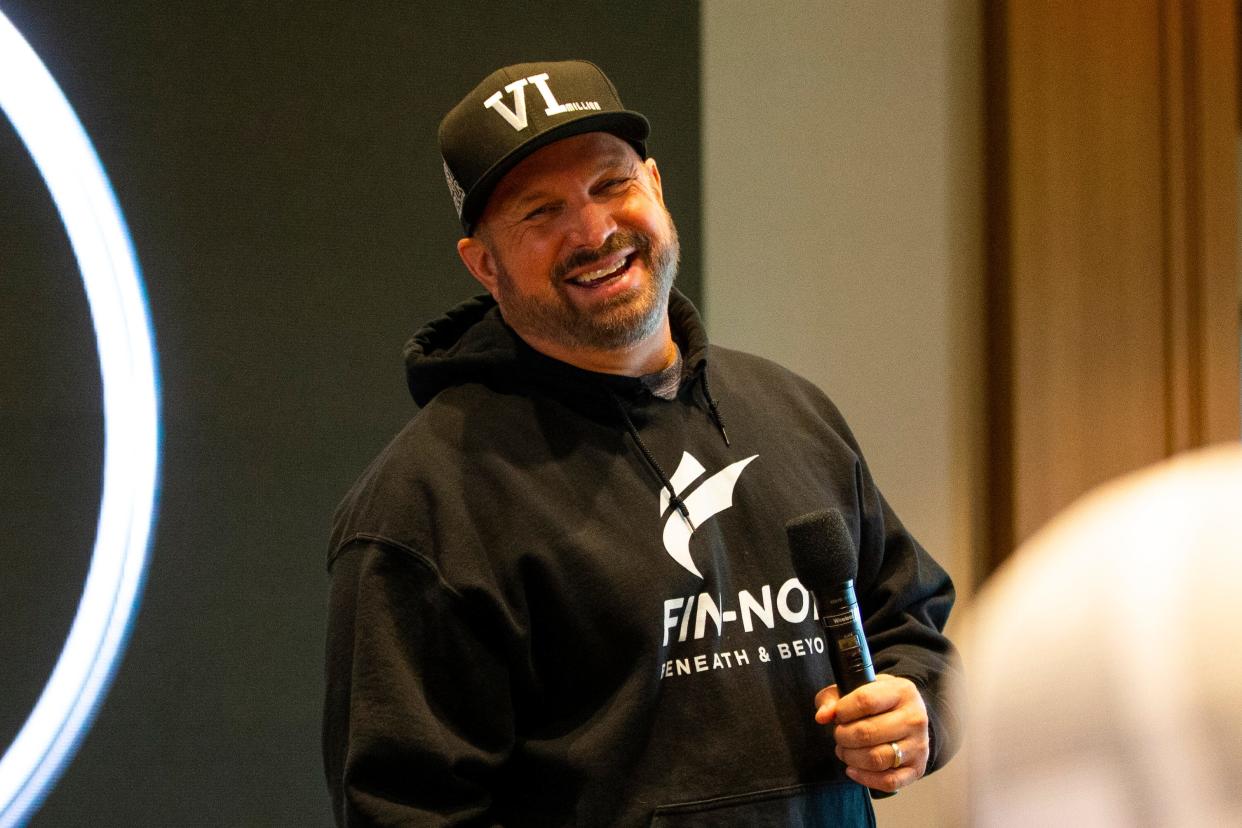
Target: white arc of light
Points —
{"points": [[65, 158]]}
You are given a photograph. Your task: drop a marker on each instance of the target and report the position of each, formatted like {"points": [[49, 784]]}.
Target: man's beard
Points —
{"points": [[624, 321]]}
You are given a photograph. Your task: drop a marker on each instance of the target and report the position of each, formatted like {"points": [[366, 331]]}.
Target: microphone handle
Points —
{"points": [[847, 646]]}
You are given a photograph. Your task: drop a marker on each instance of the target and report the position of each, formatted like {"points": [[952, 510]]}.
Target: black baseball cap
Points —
{"points": [[519, 109]]}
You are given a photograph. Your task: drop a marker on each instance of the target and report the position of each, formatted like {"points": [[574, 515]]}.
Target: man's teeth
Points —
{"points": [[596, 275]]}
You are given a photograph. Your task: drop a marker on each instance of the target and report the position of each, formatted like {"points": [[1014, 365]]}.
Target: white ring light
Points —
{"points": [[61, 150]]}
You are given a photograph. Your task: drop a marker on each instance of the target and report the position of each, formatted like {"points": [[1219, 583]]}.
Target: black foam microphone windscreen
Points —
{"points": [[825, 561]]}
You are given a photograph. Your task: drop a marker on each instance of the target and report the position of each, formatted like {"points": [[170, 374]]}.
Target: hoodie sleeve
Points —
{"points": [[905, 598], [417, 713]]}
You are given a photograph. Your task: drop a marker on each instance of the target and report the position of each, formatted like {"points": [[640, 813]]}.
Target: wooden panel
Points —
{"points": [[1213, 60], [1086, 279], [1113, 281], [1179, 232]]}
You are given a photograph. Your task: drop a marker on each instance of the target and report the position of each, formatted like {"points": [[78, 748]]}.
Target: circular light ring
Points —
{"points": [[61, 150]]}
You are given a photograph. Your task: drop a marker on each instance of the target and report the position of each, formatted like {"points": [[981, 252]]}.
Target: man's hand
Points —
{"points": [[868, 721]]}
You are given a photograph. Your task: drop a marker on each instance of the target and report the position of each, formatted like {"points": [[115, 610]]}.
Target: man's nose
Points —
{"points": [[592, 225]]}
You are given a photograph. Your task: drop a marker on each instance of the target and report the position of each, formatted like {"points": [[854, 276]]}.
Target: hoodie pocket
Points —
{"points": [[832, 805]]}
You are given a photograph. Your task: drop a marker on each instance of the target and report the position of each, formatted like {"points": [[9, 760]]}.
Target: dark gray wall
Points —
{"points": [[277, 167]]}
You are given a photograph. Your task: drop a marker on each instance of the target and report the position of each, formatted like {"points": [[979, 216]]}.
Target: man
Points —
{"points": [[532, 621]]}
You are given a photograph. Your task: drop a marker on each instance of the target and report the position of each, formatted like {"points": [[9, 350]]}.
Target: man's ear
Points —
{"points": [[653, 173], [479, 260]]}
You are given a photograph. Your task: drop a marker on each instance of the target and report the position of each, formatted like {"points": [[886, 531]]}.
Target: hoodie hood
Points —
{"points": [[472, 343]]}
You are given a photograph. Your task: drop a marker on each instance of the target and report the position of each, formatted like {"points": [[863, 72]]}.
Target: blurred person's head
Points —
{"points": [[1104, 661]]}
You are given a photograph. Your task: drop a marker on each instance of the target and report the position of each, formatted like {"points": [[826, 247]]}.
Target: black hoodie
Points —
{"points": [[525, 629]]}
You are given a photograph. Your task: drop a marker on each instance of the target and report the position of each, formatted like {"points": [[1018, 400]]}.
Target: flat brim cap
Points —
{"points": [[518, 110]]}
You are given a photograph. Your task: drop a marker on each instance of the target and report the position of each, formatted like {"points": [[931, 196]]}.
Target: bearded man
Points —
{"points": [[532, 622]]}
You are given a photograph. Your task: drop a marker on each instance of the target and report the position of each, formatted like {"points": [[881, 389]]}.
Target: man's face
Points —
{"points": [[577, 247]]}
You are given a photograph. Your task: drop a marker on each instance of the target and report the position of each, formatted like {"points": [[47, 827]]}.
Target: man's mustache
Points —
{"points": [[617, 242]]}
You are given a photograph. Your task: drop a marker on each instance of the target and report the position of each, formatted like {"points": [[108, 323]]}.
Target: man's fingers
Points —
{"points": [[879, 696], [829, 693], [889, 781], [880, 758], [826, 704], [874, 731], [876, 759], [883, 694]]}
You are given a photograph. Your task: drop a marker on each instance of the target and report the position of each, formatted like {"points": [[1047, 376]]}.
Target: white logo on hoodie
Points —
{"points": [[713, 496]]}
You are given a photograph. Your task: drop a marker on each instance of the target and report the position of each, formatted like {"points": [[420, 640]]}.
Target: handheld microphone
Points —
{"points": [[825, 562]]}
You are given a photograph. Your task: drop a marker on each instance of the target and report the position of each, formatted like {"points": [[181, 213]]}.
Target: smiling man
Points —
{"points": [[532, 622]]}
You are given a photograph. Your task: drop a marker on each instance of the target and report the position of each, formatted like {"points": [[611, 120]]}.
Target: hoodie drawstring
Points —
{"points": [[655, 466], [712, 407], [677, 502]]}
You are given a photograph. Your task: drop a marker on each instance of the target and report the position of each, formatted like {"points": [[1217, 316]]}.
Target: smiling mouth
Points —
{"points": [[611, 270]]}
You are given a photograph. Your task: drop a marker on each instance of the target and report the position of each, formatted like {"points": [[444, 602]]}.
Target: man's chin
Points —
{"points": [[623, 322]]}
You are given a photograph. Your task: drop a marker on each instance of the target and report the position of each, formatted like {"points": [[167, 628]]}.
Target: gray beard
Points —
{"points": [[623, 323]]}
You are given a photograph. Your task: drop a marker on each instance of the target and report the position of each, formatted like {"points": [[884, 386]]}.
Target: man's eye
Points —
{"points": [[613, 184], [538, 212]]}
